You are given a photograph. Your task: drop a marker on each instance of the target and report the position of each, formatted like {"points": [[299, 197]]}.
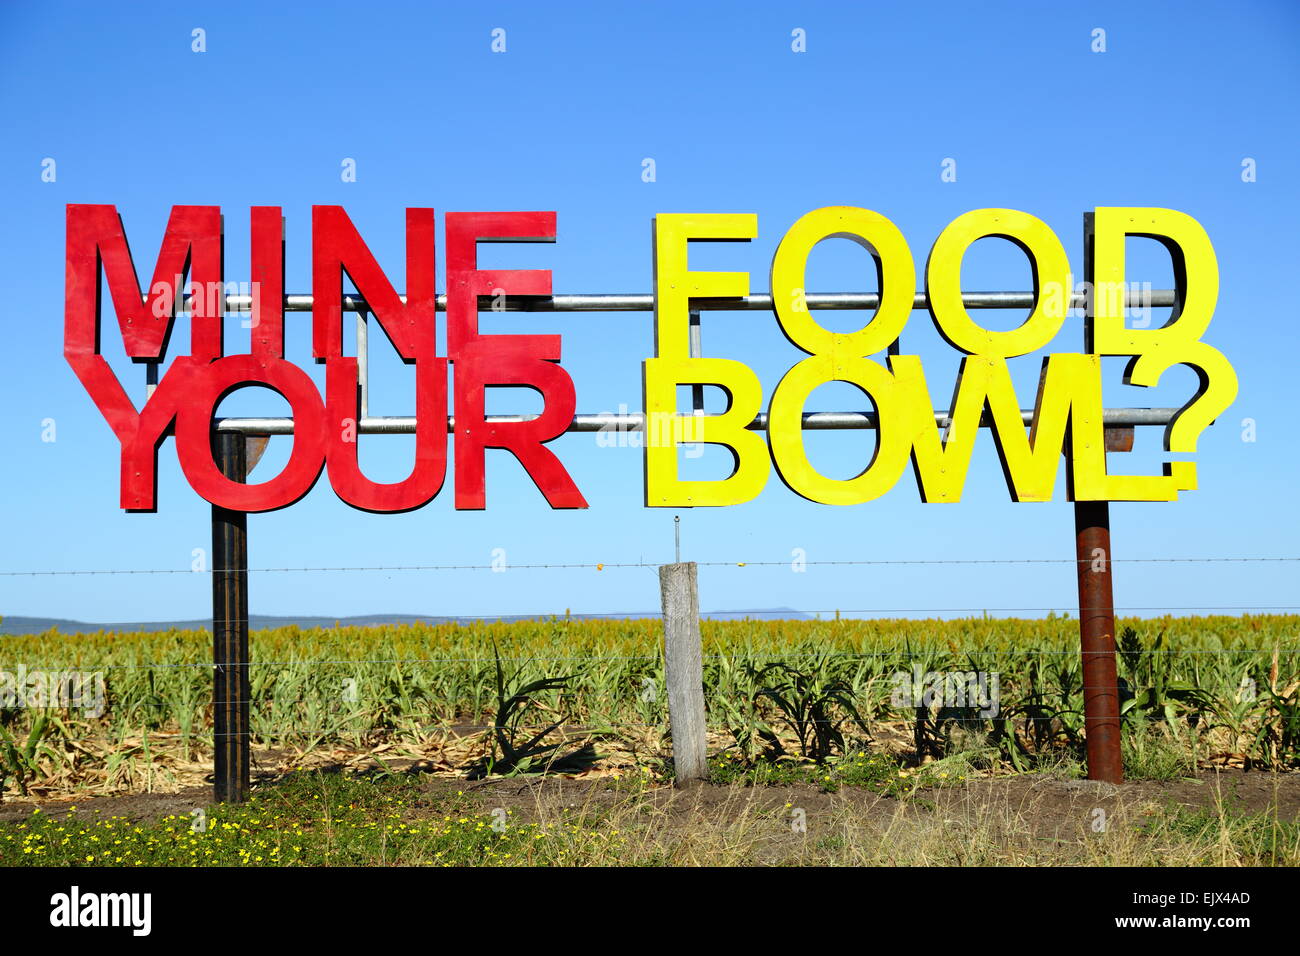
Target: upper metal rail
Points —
{"points": [[1154, 298]]}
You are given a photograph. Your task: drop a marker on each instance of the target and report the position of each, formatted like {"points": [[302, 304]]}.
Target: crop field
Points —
{"points": [[427, 716], [1199, 691]]}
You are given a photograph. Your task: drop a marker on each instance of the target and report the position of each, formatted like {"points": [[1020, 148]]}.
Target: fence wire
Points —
{"points": [[612, 565]]}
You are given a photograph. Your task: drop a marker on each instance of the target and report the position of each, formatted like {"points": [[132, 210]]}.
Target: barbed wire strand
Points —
{"points": [[591, 730], [486, 661], [721, 616], [614, 565]]}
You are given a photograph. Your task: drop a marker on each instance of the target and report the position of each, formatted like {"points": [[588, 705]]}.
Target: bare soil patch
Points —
{"points": [[1056, 808]]}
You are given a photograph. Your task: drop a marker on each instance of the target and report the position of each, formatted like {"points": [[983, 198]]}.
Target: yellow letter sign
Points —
{"points": [[673, 365], [1067, 415]]}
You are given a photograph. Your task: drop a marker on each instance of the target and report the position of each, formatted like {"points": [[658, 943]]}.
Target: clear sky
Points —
{"points": [[735, 121]]}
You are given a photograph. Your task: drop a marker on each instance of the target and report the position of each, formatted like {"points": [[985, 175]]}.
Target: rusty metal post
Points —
{"points": [[230, 685], [1097, 638]]}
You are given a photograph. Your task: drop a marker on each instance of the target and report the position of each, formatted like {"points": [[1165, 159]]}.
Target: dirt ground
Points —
{"points": [[1021, 808], [1054, 809]]}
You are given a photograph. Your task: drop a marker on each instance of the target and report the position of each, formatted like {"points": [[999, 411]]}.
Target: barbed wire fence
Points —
{"points": [[707, 703]]}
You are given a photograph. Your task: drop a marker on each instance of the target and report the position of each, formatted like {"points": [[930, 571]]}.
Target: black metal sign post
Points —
{"points": [[230, 685]]}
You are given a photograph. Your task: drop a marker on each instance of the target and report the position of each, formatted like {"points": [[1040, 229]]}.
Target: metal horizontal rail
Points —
{"points": [[1155, 298], [635, 422], [609, 422]]}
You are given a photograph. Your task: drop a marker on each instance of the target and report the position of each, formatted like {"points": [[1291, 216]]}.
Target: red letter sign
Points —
{"points": [[482, 361]]}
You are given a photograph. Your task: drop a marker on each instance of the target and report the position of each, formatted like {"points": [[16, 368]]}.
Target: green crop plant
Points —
{"points": [[516, 750], [1156, 690], [814, 704], [20, 761]]}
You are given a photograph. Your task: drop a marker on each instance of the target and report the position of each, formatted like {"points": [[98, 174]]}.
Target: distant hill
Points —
{"points": [[14, 624]]}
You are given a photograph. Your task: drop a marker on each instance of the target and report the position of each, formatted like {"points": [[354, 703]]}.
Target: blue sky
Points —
{"points": [[735, 122]]}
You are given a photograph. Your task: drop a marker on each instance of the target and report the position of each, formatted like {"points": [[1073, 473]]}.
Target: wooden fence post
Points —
{"points": [[684, 671]]}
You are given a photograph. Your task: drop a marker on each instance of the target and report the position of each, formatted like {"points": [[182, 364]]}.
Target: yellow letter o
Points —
{"points": [[785, 430], [1053, 283], [887, 245]]}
